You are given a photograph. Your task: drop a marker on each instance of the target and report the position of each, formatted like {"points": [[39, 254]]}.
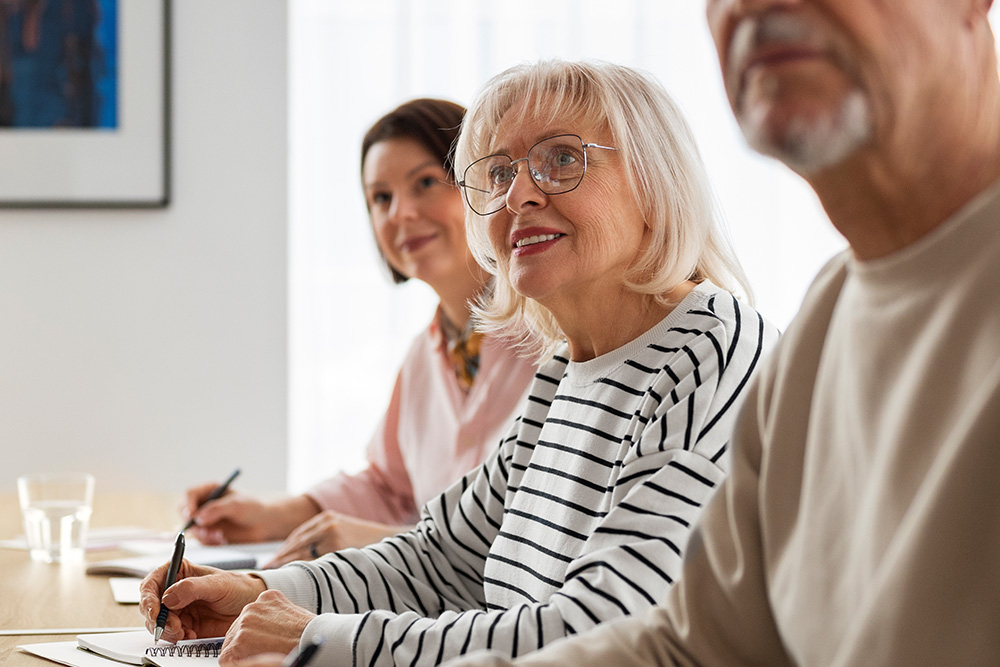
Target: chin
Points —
{"points": [[809, 143], [437, 275], [532, 289]]}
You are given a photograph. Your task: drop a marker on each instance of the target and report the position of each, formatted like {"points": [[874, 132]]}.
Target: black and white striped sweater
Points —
{"points": [[580, 517]]}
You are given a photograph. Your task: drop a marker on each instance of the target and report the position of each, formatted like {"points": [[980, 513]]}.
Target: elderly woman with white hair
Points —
{"points": [[588, 201]]}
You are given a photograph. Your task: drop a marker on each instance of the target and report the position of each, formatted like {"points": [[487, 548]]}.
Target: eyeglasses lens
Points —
{"points": [[556, 165]]}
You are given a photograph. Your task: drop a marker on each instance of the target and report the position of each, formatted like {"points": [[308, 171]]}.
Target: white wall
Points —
{"points": [[149, 347]]}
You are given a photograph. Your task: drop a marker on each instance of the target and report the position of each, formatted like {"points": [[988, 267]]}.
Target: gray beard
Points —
{"points": [[809, 146]]}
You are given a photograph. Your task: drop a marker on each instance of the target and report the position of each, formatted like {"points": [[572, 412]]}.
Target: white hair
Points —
{"points": [[664, 172]]}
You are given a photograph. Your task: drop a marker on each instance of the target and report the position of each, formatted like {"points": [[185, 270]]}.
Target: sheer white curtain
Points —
{"points": [[353, 61]]}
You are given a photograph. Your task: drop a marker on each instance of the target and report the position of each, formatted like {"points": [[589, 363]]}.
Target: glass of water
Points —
{"points": [[56, 509]]}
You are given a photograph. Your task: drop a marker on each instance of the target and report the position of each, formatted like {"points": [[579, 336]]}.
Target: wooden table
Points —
{"points": [[52, 596]]}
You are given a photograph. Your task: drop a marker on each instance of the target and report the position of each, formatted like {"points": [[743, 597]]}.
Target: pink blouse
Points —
{"points": [[432, 433]]}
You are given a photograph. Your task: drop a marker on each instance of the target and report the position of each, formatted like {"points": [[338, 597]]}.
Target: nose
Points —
{"points": [[523, 192], [402, 209]]}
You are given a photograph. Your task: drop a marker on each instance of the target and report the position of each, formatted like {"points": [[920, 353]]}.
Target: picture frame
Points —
{"points": [[125, 164]]}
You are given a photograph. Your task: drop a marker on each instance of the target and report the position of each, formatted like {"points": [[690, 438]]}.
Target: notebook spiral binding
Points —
{"points": [[209, 650]]}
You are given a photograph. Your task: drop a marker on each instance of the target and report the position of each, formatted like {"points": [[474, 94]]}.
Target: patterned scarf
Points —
{"points": [[462, 347]]}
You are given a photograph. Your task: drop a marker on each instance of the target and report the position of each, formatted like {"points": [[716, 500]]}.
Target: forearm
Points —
{"points": [[367, 495], [285, 515], [387, 575], [298, 509]]}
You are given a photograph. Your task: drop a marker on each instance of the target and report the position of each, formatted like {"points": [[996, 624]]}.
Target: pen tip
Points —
{"points": [[156, 634]]}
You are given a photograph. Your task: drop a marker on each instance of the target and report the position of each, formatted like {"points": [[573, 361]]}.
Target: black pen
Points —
{"points": [[175, 566], [303, 657], [214, 495]]}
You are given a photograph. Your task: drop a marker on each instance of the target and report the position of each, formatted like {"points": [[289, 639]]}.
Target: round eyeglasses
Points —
{"points": [[556, 166]]}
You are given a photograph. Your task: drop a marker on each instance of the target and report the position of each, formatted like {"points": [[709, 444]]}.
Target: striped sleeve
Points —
{"points": [[434, 569], [633, 560], [420, 599]]}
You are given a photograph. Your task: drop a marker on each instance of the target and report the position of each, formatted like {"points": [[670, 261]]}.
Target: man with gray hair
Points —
{"points": [[859, 524]]}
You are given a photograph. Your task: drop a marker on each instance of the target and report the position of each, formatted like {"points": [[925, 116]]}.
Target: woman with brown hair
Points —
{"points": [[457, 390]]}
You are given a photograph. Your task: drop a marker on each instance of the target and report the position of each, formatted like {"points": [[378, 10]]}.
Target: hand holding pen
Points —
{"points": [[175, 566], [217, 493], [206, 601]]}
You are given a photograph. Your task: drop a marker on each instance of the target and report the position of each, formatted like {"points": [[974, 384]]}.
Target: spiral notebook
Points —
{"points": [[138, 648], [224, 558]]}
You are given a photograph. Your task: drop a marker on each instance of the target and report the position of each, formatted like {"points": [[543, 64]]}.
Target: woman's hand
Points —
{"points": [[203, 602], [331, 531], [238, 518], [271, 624]]}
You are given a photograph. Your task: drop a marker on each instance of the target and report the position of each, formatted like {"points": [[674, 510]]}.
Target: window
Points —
{"points": [[351, 62]]}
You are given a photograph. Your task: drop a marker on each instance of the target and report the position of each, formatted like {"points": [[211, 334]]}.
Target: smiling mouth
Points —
{"points": [[533, 240], [414, 244]]}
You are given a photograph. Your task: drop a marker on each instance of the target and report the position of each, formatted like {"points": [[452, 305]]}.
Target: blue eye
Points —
{"points": [[563, 159], [501, 174]]}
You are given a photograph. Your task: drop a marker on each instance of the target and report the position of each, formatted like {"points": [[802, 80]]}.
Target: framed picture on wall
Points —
{"points": [[84, 101]]}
